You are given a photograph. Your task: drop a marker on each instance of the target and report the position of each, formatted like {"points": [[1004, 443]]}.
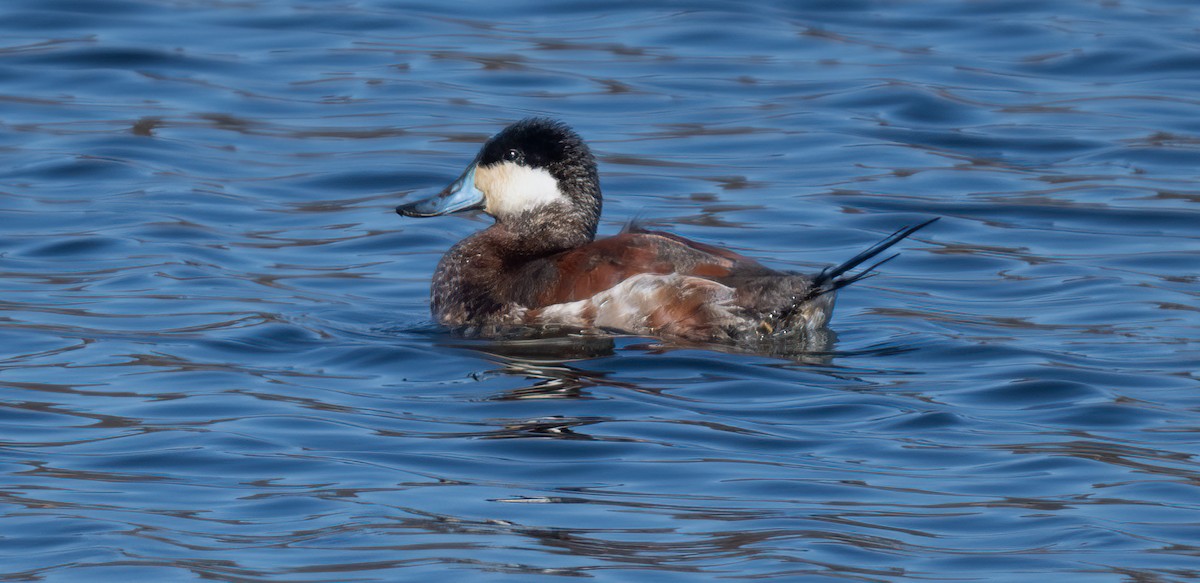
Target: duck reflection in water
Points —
{"points": [[539, 265], [552, 362]]}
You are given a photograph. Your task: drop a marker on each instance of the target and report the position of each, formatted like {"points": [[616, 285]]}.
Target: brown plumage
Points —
{"points": [[539, 264]]}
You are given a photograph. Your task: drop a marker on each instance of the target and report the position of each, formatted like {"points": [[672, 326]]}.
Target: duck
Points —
{"points": [[539, 265]]}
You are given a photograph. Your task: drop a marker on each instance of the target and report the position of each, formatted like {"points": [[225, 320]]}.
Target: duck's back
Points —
{"points": [[658, 283], [585, 271]]}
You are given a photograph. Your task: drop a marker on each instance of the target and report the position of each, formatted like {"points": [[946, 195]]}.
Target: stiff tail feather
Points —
{"points": [[831, 278], [834, 278]]}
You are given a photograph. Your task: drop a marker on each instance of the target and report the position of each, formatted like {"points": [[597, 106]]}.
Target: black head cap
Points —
{"points": [[540, 142]]}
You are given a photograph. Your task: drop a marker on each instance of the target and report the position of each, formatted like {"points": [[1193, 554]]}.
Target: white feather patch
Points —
{"points": [[627, 305], [511, 189]]}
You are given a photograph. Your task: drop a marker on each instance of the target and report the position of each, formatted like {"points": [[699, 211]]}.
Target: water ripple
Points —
{"points": [[216, 358]]}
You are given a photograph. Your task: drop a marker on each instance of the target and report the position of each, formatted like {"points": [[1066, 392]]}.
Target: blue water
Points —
{"points": [[217, 362]]}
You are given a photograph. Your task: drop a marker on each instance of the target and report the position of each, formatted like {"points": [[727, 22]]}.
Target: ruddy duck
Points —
{"points": [[540, 264]]}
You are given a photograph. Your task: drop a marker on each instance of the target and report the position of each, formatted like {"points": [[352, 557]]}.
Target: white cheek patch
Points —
{"points": [[511, 189]]}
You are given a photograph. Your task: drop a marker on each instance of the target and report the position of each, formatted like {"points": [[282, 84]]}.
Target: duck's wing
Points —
{"points": [[601, 265], [656, 283]]}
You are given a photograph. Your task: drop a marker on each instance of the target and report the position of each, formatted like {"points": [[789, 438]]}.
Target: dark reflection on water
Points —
{"points": [[216, 359]]}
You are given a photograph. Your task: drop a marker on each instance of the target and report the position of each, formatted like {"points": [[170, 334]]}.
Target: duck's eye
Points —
{"points": [[513, 155]]}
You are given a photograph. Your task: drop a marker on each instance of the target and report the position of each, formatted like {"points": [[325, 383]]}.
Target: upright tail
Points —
{"points": [[830, 278], [808, 312]]}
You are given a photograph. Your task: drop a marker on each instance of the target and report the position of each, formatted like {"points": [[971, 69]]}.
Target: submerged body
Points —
{"points": [[539, 265]]}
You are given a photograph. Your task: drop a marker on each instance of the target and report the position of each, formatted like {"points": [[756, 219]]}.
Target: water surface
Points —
{"points": [[217, 362]]}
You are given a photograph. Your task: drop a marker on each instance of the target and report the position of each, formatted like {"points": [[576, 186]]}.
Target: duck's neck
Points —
{"points": [[536, 234]]}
